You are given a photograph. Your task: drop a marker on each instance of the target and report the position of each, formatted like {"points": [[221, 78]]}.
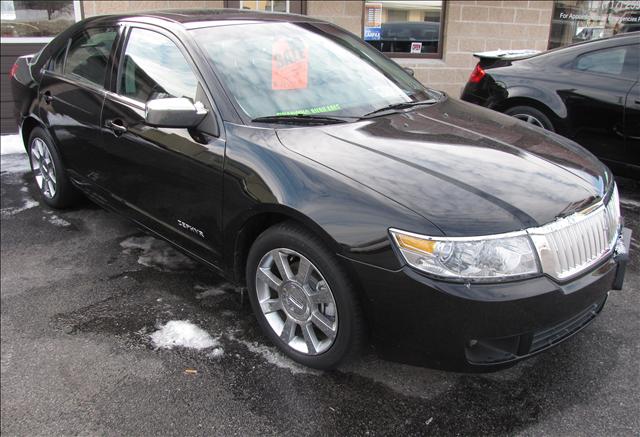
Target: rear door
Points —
{"points": [[170, 179], [72, 92], [601, 80]]}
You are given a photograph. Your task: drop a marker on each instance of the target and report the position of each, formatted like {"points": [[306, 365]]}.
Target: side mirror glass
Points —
{"points": [[176, 112]]}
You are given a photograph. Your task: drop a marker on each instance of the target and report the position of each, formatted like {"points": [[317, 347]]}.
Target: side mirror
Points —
{"points": [[409, 71], [177, 112]]}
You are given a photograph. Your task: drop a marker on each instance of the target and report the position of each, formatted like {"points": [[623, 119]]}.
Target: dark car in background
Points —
{"points": [[588, 92], [350, 200]]}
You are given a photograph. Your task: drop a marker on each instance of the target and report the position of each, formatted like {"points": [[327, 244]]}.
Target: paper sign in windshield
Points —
{"points": [[289, 65]]}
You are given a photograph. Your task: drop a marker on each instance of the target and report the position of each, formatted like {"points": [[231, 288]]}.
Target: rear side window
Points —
{"points": [[155, 68], [616, 61], [88, 54], [56, 64]]}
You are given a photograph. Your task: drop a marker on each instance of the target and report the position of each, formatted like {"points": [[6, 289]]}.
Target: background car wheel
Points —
{"points": [[302, 298], [532, 116], [49, 173]]}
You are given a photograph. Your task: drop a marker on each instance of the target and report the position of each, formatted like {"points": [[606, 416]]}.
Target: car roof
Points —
{"points": [[193, 16]]}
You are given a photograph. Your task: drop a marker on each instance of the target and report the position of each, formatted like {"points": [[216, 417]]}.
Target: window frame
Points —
{"points": [[78, 13], [437, 55]]}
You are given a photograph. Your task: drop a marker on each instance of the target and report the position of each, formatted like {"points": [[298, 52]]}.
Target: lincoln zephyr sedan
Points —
{"points": [[354, 204]]}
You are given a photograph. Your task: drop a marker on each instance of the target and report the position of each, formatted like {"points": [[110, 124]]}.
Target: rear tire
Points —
{"points": [[532, 116], [49, 173], [314, 318]]}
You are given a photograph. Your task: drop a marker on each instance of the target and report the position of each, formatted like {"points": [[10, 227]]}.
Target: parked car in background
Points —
{"points": [[589, 92], [297, 161]]}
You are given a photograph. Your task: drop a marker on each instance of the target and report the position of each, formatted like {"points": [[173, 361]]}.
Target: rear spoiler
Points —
{"points": [[501, 58]]}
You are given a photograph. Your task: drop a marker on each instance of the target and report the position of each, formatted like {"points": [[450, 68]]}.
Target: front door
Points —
{"points": [[170, 179]]}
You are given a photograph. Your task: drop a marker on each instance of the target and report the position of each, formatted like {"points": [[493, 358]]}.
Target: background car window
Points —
{"points": [[88, 54], [154, 68], [608, 61]]}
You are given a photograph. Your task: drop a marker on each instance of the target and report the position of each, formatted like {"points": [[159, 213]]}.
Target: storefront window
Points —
{"points": [[582, 20], [266, 5], [404, 28], [29, 19]]}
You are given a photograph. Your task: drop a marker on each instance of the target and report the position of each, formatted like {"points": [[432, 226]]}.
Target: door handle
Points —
{"points": [[47, 97], [117, 126]]}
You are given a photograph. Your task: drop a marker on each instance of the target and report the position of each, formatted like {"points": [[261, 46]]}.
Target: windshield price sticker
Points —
{"points": [[289, 65]]}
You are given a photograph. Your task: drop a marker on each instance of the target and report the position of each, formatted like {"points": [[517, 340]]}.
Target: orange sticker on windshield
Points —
{"points": [[289, 65]]}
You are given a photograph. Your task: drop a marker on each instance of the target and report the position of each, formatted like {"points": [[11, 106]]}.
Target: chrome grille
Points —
{"points": [[572, 244]]}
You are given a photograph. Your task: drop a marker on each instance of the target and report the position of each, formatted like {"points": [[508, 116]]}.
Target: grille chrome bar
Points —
{"points": [[572, 244]]}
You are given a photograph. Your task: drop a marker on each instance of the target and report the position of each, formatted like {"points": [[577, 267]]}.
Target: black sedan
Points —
{"points": [[589, 92], [350, 200]]}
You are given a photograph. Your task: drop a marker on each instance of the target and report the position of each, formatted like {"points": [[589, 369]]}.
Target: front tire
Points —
{"points": [[302, 297], [50, 175]]}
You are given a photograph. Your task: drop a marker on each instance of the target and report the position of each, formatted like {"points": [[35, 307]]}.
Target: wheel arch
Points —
{"points": [[28, 125]]}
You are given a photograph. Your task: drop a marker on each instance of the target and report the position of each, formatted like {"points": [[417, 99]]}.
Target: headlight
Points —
{"points": [[493, 257]]}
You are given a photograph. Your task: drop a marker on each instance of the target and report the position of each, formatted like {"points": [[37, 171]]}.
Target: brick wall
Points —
{"points": [[473, 26], [346, 14], [99, 7]]}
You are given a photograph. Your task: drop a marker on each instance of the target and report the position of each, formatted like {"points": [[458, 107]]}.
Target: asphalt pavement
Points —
{"points": [[83, 292]]}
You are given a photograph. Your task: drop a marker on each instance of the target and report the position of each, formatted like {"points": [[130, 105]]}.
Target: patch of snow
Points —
{"points": [[216, 354], [157, 254], [14, 164], [10, 144], [629, 203], [182, 333], [275, 357], [57, 221], [13, 210], [209, 291]]}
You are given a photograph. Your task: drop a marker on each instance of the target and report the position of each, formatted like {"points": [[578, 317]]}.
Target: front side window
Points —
{"points": [[88, 54], [154, 68], [404, 28], [301, 68]]}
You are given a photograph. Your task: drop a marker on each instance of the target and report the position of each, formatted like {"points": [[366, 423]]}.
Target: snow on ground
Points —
{"points": [[182, 333], [11, 144], [211, 291], [56, 221], [275, 357], [14, 163], [157, 254], [13, 210]]}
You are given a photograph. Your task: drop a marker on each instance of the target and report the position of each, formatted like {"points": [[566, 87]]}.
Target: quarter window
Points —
{"points": [[154, 68], [618, 61], [88, 54]]}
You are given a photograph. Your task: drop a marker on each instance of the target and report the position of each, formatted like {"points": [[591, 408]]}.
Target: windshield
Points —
{"points": [[279, 69]]}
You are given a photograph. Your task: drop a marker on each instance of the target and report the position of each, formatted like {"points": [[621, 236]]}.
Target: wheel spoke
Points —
{"points": [[288, 330], [282, 263], [323, 324], [310, 338], [321, 294], [270, 305], [269, 278], [304, 270]]}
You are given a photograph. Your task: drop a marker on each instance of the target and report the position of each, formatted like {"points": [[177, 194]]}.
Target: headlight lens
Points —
{"points": [[494, 258]]}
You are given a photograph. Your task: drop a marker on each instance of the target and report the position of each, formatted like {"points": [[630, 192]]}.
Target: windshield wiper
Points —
{"points": [[300, 118], [402, 105]]}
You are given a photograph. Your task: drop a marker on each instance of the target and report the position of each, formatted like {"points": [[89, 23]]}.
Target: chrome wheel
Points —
{"points": [[297, 301], [44, 169], [528, 118]]}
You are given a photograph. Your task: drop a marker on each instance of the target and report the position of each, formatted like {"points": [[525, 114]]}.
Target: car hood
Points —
{"points": [[466, 169]]}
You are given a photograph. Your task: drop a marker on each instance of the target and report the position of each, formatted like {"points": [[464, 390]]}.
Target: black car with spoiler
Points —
{"points": [[350, 201], [589, 92]]}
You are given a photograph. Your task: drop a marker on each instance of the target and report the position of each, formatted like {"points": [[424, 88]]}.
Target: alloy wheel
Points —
{"points": [[44, 169], [528, 118], [296, 301]]}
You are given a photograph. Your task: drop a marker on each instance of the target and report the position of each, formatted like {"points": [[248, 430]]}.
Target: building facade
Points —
{"points": [[436, 39]]}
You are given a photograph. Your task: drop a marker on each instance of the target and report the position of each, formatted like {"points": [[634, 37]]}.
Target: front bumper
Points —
{"points": [[477, 327]]}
